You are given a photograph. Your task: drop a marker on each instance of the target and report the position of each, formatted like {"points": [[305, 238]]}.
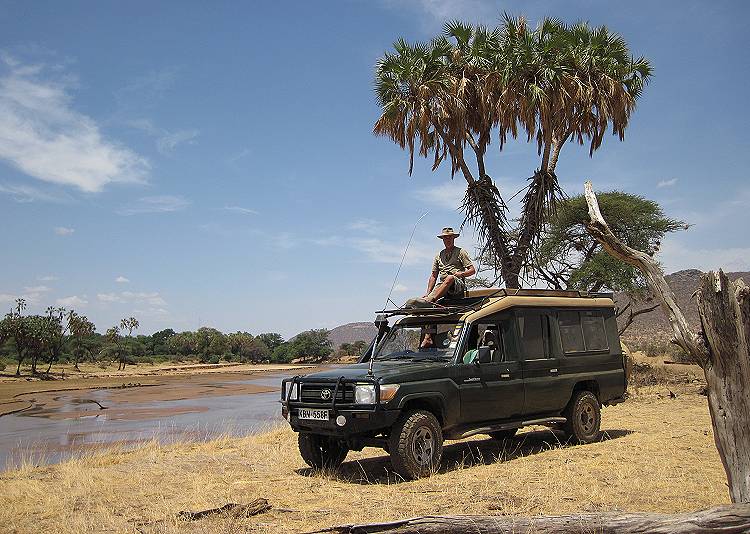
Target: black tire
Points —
{"points": [[502, 435], [416, 444], [321, 452], [584, 417]]}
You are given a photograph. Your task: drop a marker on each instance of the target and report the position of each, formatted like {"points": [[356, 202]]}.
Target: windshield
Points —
{"points": [[428, 341]]}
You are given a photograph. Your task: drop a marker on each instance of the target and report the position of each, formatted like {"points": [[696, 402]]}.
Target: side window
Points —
{"points": [[594, 333], [534, 330], [570, 332], [486, 335]]}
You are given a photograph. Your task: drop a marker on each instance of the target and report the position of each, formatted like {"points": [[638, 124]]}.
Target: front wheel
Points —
{"points": [[416, 444], [321, 452], [584, 417]]}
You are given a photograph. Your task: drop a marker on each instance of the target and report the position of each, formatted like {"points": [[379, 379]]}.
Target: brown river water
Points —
{"points": [[61, 424]]}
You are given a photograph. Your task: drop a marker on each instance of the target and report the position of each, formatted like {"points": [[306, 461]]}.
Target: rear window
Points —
{"points": [[593, 332], [570, 332], [582, 332]]}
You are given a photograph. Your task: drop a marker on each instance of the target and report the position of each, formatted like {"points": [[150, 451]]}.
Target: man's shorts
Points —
{"points": [[457, 290]]}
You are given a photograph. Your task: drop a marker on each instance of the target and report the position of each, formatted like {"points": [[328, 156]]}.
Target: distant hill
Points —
{"points": [[351, 332], [650, 326], [654, 325]]}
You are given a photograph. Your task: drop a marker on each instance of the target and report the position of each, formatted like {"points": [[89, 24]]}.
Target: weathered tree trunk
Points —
{"points": [[724, 308], [722, 519], [722, 351]]}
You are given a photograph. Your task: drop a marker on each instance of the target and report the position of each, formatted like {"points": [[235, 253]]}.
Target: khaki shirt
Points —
{"points": [[455, 261]]}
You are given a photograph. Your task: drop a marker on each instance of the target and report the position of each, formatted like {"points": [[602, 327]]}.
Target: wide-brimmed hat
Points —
{"points": [[447, 232]]}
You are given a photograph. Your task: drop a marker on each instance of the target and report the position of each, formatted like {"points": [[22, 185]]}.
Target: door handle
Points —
{"points": [[553, 371], [505, 375]]}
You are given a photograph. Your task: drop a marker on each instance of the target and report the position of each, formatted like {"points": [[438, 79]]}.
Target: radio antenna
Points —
{"points": [[381, 321], [403, 257]]}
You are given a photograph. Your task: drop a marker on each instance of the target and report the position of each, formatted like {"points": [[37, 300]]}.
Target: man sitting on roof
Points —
{"points": [[452, 265]]}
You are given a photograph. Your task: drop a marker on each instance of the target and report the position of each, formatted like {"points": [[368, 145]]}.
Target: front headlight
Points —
{"points": [[293, 394], [364, 394]]}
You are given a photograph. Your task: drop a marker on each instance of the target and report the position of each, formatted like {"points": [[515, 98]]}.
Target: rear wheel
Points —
{"points": [[584, 417], [321, 452], [502, 435], [416, 444]]}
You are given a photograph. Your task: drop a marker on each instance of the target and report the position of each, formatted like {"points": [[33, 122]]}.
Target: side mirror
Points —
{"points": [[485, 355]]}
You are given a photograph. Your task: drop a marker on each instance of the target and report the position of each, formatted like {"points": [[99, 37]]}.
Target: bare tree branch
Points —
{"points": [[683, 334]]}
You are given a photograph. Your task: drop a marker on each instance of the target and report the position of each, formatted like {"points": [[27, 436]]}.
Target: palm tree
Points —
{"points": [[433, 96], [554, 82], [563, 83]]}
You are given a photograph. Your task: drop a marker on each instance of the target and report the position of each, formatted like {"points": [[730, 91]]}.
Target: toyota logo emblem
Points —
{"points": [[325, 394]]}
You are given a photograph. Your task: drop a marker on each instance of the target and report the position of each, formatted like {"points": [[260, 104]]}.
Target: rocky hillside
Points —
{"points": [[351, 332], [654, 326]]}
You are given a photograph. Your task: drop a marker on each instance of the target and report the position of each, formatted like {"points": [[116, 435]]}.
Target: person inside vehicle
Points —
{"points": [[427, 343], [489, 339], [451, 267]]}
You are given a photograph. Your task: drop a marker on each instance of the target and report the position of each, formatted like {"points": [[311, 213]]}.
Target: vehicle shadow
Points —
{"points": [[459, 455]]}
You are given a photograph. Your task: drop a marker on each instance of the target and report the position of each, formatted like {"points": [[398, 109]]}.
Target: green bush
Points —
{"points": [[213, 359], [665, 349]]}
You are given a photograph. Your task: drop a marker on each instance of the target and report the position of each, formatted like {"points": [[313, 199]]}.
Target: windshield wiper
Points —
{"points": [[404, 354], [433, 358]]}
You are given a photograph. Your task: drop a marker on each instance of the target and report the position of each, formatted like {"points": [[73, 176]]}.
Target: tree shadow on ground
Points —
{"points": [[459, 455]]}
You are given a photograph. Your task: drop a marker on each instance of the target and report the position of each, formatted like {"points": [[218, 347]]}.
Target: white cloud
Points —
{"points": [[155, 204], [48, 278], [151, 298], [277, 276], [72, 301], [327, 241], [43, 136], [240, 209], [234, 158], [400, 288], [675, 256], [147, 89], [368, 226], [26, 193], [667, 183], [447, 195], [121, 280], [440, 11], [380, 251], [6, 298], [62, 230], [171, 140], [37, 289], [152, 312], [285, 241], [166, 141]]}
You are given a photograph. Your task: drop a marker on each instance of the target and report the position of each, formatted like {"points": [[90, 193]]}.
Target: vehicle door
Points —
{"points": [[541, 362], [493, 389]]}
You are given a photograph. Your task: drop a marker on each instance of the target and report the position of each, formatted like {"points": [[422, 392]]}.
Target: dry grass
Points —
{"points": [[657, 455]]}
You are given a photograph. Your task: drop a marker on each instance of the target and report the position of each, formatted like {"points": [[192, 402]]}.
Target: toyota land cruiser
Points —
{"points": [[490, 363]]}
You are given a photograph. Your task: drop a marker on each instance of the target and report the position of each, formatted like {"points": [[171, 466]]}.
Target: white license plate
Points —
{"points": [[315, 415]]}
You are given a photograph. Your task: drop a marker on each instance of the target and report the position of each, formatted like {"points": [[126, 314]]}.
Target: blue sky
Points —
{"points": [[212, 164]]}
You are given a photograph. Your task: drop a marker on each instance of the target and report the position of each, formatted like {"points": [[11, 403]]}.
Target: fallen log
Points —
{"points": [[730, 519], [258, 506]]}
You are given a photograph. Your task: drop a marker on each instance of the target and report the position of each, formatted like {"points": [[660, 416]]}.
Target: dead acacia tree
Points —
{"points": [[722, 349]]}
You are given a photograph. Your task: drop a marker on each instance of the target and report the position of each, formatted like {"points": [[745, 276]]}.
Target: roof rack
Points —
{"points": [[505, 292], [476, 298]]}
